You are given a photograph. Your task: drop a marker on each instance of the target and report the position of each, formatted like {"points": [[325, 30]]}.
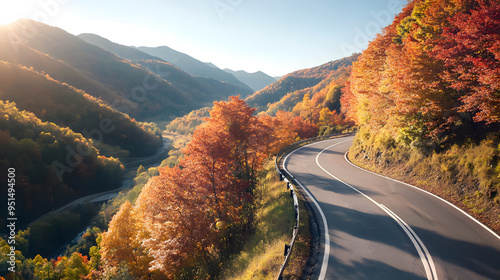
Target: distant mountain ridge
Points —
{"points": [[121, 82], [206, 89], [120, 50], [192, 65], [255, 81]]}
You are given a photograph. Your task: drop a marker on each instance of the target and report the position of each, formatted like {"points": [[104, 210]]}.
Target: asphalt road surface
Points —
{"points": [[378, 228]]}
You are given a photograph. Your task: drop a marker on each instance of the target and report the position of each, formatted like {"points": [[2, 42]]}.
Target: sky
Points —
{"points": [[273, 36]]}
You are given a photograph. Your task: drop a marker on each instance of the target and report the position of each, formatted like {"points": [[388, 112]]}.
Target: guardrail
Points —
{"points": [[292, 184]]}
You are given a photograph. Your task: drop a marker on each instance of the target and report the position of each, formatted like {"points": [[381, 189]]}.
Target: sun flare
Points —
{"points": [[10, 11]]}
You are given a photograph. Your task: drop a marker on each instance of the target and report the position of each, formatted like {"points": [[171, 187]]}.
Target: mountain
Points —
{"points": [[255, 81], [211, 64], [67, 106], [290, 90], [53, 164], [192, 65], [206, 89], [120, 83], [21, 54], [120, 50]]}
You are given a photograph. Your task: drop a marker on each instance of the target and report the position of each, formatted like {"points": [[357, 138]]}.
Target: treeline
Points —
{"points": [[426, 95], [433, 73]]}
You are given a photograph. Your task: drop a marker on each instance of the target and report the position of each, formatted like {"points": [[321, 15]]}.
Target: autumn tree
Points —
{"points": [[121, 244], [226, 152], [249, 138], [284, 132], [470, 50], [430, 78], [187, 219], [370, 100], [177, 225], [76, 266]]}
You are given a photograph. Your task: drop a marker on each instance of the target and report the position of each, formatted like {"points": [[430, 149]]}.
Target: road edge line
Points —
{"points": [[434, 195], [326, 254], [427, 261]]}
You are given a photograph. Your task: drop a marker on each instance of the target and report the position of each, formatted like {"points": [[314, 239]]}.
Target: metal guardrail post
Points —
{"points": [[290, 180]]}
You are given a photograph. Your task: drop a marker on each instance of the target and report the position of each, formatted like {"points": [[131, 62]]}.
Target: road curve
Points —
{"points": [[378, 228]]}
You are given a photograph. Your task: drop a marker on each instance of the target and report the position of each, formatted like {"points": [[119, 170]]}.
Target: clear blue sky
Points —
{"points": [[275, 36]]}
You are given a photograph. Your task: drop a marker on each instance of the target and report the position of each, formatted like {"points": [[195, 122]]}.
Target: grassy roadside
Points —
{"points": [[262, 256]]}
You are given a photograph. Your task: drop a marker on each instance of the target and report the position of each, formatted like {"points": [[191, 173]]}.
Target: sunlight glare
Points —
{"points": [[9, 11]]}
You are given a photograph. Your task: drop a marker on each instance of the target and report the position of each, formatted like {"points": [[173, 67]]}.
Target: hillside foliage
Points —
{"points": [[188, 123], [427, 90], [66, 106], [289, 90], [49, 170]]}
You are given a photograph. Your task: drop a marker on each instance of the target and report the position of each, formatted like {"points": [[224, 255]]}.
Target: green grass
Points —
{"points": [[262, 256]]}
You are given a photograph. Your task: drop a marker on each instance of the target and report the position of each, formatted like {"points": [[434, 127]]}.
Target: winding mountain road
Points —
{"points": [[373, 227]]}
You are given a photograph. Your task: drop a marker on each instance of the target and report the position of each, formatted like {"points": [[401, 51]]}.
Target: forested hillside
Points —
{"points": [[290, 89], [53, 164], [62, 142], [18, 53], [67, 106], [425, 94], [187, 124]]}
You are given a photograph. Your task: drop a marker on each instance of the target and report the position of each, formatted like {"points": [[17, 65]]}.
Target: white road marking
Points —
{"points": [[422, 251], [326, 254], [428, 262], [429, 193]]}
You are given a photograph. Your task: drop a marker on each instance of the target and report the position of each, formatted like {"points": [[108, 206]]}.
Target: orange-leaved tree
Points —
{"points": [[189, 217], [121, 244]]}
